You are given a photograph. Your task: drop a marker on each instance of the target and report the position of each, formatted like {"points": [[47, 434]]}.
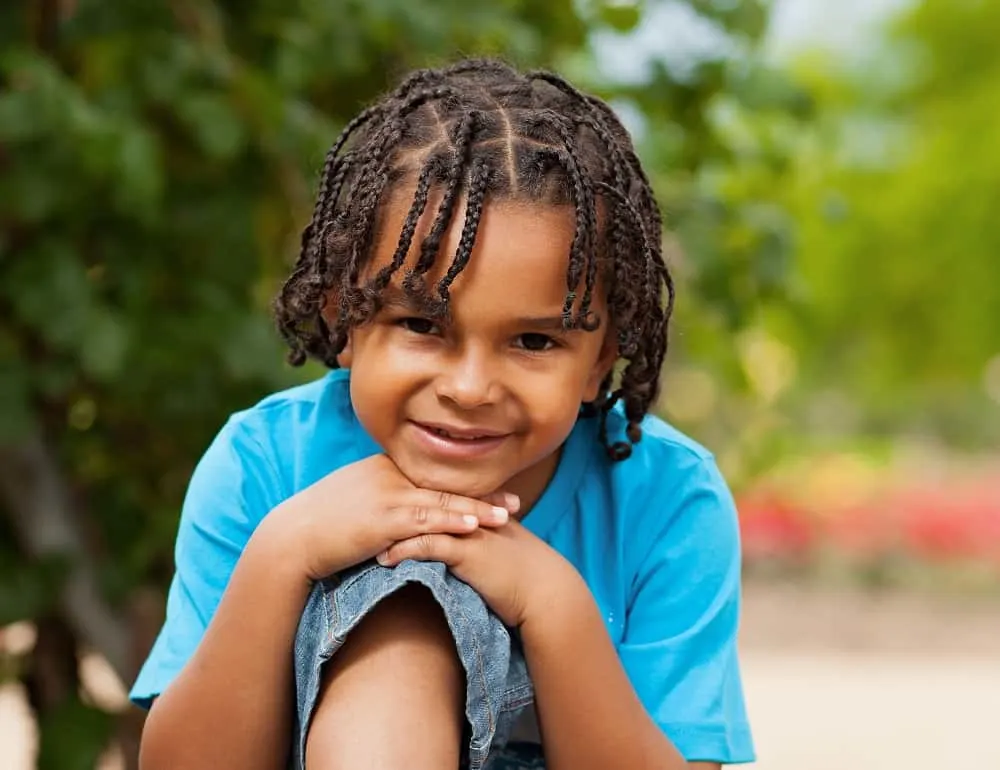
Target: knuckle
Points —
{"points": [[421, 515], [445, 500]]}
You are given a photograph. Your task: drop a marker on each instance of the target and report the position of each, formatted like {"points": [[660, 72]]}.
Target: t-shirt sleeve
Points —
{"points": [[679, 645], [233, 487]]}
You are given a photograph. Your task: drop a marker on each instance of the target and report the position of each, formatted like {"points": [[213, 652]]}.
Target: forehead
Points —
{"points": [[521, 248]]}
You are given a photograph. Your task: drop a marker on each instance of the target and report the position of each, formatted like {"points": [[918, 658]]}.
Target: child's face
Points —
{"points": [[484, 401]]}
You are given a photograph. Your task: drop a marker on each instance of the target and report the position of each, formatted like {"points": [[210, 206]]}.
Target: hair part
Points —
{"points": [[481, 130]]}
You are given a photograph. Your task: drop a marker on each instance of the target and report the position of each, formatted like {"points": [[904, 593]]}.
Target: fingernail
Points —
{"points": [[471, 521], [383, 558], [500, 515], [513, 502]]}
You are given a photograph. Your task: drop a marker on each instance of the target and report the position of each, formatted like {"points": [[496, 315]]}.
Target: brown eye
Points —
{"points": [[418, 325], [535, 343]]}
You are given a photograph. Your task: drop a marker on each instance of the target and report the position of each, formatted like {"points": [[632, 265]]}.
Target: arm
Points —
{"points": [[588, 713], [231, 705], [677, 658], [671, 688], [221, 670]]}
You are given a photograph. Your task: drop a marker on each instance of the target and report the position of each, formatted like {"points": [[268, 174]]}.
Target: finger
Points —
{"points": [[427, 547], [506, 500], [411, 521], [487, 514]]}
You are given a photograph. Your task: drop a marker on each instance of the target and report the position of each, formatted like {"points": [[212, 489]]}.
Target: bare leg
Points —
{"points": [[393, 695]]}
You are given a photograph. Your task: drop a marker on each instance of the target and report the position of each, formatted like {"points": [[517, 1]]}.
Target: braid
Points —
{"points": [[368, 187], [332, 177], [431, 244], [583, 252], [409, 228], [483, 131], [479, 179], [640, 378]]}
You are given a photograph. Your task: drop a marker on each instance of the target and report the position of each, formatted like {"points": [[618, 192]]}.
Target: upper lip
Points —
{"points": [[461, 431]]}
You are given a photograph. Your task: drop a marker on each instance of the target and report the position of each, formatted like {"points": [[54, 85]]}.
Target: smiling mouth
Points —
{"points": [[470, 435], [449, 443]]}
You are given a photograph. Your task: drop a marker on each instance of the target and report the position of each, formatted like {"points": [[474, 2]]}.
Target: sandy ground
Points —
{"points": [[833, 681], [838, 681], [813, 711]]}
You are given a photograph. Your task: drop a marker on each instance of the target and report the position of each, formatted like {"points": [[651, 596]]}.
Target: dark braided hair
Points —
{"points": [[482, 130]]}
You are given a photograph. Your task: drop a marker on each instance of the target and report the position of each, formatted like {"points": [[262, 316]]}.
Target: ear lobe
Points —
{"points": [[346, 356]]}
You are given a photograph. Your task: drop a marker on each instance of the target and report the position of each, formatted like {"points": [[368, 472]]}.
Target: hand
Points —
{"points": [[361, 509], [517, 574]]}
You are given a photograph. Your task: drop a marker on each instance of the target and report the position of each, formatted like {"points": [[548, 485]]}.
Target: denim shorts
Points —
{"points": [[498, 686]]}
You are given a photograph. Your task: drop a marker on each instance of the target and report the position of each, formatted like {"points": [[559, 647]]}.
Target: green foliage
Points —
{"points": [[897, 260]]}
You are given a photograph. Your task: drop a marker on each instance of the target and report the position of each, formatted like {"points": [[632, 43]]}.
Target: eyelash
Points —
{"points": [[548, 343], [407, 324], [429, 327]]}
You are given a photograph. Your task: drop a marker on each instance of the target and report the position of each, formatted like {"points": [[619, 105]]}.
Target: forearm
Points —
{"points": [[589, 714], [231, 706]]}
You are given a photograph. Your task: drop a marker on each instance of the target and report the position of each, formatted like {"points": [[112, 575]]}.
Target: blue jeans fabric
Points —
{"points": [[498, 686]]}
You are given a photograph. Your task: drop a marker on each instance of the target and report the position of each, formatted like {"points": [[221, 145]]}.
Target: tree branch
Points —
{"points": [[46, 524]]}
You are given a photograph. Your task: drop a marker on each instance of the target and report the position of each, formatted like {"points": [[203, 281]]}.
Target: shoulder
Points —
{"points": [[669, 496], [297, 435], [664, 463], [328, 396], [663, 449]]}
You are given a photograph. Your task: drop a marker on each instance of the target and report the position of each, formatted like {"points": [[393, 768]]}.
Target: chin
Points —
{"points": [[457, 482]]}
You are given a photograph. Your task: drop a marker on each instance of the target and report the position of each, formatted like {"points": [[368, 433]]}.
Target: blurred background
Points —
{"points": [[830, 175]]}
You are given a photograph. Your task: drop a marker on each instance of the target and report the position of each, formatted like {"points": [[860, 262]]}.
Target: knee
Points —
{"points": [[411, 619], [392, 695]]}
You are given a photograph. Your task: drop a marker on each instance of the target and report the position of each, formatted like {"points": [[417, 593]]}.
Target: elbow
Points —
{"points": [[163, 745], [154, 753]]}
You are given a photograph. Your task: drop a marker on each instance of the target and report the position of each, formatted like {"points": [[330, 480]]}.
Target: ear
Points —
{"points": [[329, 315], [346, 357], [606, 359]]}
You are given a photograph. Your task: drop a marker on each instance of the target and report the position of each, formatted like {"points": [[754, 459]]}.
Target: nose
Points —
{"points": [[469, 381]]}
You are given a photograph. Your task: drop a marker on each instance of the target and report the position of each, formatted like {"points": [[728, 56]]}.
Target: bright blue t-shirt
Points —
{"points": [[655, 537]]}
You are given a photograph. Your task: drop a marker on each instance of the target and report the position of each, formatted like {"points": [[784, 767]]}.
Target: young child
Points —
{"points": [[369, 566]]}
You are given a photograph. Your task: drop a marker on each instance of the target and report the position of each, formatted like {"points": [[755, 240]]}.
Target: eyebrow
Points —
{"points": [[395, 298], [543, 323]]}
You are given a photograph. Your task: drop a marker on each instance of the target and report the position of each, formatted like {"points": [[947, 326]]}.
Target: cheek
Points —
{"points": [[369, 402], [553, 404], [377, 386]]}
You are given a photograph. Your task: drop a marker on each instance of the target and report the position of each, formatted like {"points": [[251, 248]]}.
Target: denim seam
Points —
{"points": [[325, 652], [518, 697], [330, 612], [481, 672], [346, 584]]}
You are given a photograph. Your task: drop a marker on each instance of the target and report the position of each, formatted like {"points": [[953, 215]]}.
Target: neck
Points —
{"points": [[530, 484]]}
